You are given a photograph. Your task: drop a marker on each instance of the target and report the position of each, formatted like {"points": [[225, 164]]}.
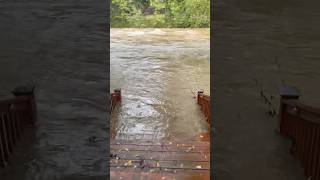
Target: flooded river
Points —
{"points": [[260, 45], [159, 72], [61, 47]]}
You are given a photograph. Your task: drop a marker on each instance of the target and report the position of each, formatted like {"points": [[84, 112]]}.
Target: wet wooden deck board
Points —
{"points": [[166, 156], [178, 148], [145, 159], [194, 142], [159, 175]]}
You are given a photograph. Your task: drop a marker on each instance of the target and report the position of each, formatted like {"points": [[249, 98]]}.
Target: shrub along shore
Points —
{"points": [[160, 13]]}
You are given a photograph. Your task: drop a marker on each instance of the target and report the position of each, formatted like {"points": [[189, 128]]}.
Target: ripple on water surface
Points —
{"points": [[159, 72]]}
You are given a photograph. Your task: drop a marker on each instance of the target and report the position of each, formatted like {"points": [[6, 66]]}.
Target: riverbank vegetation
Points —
{"points": [[160, 13]]}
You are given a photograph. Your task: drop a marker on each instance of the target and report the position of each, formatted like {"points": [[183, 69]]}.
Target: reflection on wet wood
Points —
{"points": [[146, 156], [119, 173], [145, 159]]}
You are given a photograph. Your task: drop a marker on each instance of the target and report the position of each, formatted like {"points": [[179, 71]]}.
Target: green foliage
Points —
{"points": [[160, 13], [121, 10], [155, 21], [142, 4]]}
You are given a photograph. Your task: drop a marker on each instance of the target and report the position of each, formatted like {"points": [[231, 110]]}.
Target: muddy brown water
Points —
{"points": [[159, 72], [260, 45], [61, 47]]}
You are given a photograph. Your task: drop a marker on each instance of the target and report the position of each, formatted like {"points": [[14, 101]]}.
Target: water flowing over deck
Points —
{"points": [[137, 156], [160, 160]]}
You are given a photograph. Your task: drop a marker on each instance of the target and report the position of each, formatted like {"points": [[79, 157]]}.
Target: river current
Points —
{"points": [[159, 72]]}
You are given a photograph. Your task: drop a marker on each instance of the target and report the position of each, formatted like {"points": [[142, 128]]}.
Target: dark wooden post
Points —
{"points": [[286, 93], [4, 141], [200, 93], [118, 93], [27, 93], [289, 92]]}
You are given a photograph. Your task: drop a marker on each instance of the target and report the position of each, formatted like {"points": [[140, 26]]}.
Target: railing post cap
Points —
{"points": [[117, 90], [289, 92], [24, 90]]}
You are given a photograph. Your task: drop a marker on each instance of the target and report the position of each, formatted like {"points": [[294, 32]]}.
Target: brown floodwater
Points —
{"points": [[61, 47], [159, 72]]}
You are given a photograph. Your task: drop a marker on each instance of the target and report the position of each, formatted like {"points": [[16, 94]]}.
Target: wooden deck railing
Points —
{"points": [[204, 102], [302, 124], [15, 115], [115, 99]]}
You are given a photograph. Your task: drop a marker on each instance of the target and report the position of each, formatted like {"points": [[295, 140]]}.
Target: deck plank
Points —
{"points": [[147, 159]]}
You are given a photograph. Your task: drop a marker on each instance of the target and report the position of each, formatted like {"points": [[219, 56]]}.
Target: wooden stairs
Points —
{"points": [[153, 160]]}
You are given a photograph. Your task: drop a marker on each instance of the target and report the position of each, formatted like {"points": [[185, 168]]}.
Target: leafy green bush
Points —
{"points": [[168, 13]]}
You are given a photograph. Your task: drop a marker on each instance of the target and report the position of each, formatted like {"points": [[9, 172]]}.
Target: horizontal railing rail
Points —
{"points": [[302, 124], [15, 115], [204, 102]]}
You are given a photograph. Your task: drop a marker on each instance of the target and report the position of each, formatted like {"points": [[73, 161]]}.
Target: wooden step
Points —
{"points": [[160, 148], [152, 142], [137, 174], [149, 159], [163, 156], [164, 164]]}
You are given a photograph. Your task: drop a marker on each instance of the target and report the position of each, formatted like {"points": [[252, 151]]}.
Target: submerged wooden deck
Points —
{"points": [[147, 159]]}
